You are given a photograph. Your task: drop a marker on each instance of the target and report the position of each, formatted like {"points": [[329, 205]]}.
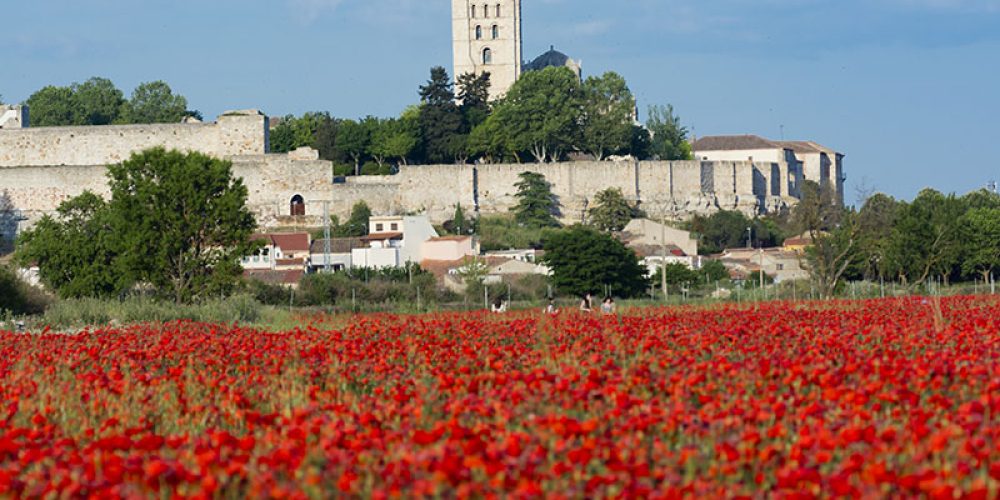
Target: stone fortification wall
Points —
{"points": [[677, 189], [235, 133], [271, 180]]}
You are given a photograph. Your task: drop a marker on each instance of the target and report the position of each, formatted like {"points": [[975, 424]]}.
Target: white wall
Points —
{"points": [[375, 258]]}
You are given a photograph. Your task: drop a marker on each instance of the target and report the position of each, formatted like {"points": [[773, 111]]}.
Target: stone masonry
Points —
{"points": [[42, 167]]}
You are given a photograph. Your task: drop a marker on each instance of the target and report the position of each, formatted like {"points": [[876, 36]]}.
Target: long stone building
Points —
{"points": [[42, 167]]}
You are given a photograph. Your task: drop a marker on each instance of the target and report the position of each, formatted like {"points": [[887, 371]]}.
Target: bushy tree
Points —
{"points": [[182, 220], [155, 102], [536, 205], [608, 111], [99, 101], [54, 107], [357, 224], [78, 251], [541, 113], [585, 260], [669, 137], [611, 212], [392, 138], [354, 138]]}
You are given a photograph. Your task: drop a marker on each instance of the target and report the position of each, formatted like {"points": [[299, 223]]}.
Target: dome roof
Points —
{"points": [[552, 58]]}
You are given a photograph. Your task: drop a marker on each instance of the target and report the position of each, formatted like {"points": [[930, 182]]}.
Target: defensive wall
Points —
{"points": [[42, 167]]}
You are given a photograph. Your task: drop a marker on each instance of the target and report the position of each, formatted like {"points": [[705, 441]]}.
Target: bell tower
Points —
{"points": [[486, 35]]}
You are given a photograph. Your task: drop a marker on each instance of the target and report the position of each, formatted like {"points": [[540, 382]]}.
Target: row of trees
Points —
{"points": [[98, 102], [546, 116], [945, 238]]}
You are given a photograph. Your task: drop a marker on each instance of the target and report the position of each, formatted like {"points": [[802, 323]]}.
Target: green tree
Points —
{"points": [[99, 101], [980, 230], [357, 224], [78, 251], [608, 110], [154, 102], [611, 212], [458, 220], [669, 137], [182, 221], [713, 271], [876, 219], [489, 141], [677, 275], [392, 139], [440, 118], [585, 260], [926, 239], [353, 139], [536, 205], [474, 94], [54, 107], [541, 113]]}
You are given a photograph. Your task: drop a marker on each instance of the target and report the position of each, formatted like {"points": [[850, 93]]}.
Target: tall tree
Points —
{"points": [[669, 137], [458, 220], [54, 107], [77, 251], [611, 212], [474, 94], [608, 112], [876, 220], [536, 205], [353, 139], [584, 260], [182, 220], [155, 102], [440, 118], [925, 240], [980, 232], [99, 101], [541, 113]]}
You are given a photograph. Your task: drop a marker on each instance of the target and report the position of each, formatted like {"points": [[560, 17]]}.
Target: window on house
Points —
{"points": [[379, 228], [781, 267], [496, 32], [395, 227], [267, 255], [479, 32], [487, 56], [256, 258], [298, 205]]}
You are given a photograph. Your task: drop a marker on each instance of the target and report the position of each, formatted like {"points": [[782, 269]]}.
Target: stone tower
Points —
{"points": [[487, 37]]}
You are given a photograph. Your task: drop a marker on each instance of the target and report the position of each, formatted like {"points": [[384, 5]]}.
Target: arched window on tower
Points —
{"points": [[486, 11], [298, 205], [479, 32], [473, 11], [487, 56], [498, 10], [496, 32]]}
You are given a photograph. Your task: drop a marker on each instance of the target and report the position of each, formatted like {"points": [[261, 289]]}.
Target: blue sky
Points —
{"points": [[907, 89]]}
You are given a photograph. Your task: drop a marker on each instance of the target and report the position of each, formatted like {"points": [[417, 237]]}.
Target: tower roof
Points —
{"points": [[552, 58]]}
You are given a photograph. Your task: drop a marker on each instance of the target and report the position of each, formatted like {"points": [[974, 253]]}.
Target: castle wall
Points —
{"points": [[235, 133]]}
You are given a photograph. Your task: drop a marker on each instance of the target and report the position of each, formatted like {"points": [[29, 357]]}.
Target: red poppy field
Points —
{"points": [[862, 399]]}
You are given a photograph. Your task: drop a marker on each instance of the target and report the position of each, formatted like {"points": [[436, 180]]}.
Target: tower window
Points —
{"points": [[498, 10], [487, 56], [486, 11], [473, 11], [496, 32], [479, 32]]}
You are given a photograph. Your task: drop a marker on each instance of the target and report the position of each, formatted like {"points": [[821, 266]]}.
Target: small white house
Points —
{"points": [[394, 241]]}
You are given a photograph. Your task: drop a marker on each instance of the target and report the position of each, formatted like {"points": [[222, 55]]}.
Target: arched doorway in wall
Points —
{"points": [[298, 205]]}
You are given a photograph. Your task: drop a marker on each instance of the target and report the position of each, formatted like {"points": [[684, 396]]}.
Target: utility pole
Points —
{"points": [[326, 236], [663, 254]]}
